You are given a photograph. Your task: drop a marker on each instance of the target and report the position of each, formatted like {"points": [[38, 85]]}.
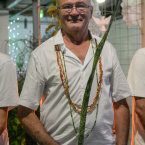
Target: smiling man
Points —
{"points": [[59, 70]]}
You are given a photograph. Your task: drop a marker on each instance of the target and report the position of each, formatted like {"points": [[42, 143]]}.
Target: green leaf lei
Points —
{"points": [[89, 84]]}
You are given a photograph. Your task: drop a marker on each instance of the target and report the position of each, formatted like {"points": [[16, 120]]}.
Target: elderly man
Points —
{"points": [[136, 81], [59, 69], [8, 94]]}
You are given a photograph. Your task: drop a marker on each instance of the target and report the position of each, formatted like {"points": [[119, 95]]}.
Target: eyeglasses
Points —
{"points": [[79, 7]]}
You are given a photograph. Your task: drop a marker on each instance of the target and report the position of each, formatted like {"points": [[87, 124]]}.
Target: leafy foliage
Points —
{"points": [[16, 132]]}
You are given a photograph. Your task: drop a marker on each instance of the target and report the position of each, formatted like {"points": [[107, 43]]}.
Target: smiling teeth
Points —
{"points": [[75, 20]]}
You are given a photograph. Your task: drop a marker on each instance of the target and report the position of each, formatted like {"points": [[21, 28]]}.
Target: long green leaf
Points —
{"points": [[89, 83]]}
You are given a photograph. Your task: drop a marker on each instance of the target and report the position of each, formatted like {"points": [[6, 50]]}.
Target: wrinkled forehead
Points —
{"points": [[62, 2]]}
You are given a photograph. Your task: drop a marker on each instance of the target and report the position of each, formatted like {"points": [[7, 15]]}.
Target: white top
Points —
{"points": [[136, 80], [8, 88], [43, 76]]}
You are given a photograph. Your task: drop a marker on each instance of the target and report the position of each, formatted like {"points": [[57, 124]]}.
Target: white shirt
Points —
{"points": [[43, 77], [8, 89], [136, 80]]}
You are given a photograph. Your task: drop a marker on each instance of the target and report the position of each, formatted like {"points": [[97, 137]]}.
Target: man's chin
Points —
{"points": [[76, 28]]}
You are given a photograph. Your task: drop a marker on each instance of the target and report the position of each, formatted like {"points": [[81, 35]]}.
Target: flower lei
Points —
{"points": [[64, 79]]}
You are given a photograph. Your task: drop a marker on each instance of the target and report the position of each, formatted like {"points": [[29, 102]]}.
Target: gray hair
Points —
{"points": [[57, 2]]}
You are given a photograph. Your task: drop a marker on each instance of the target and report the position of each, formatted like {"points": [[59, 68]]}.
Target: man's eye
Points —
{"points": [[80, 6], [67, 7]]}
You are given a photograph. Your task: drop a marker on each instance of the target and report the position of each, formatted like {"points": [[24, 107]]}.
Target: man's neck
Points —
{"points": [[75, 37]]}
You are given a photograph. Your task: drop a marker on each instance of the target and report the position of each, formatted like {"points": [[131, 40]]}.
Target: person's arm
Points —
{"points": [[122, 121], [140, 109], [3, 118], [34, 127]]}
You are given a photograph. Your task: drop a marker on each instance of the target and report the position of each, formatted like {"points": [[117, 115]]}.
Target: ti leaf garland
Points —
{"points": [[89, 84]]}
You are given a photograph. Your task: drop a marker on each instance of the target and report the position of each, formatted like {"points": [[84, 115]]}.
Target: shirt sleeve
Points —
{"points": [[33, 86], [8, 85], [136, 74], [119, 86]]}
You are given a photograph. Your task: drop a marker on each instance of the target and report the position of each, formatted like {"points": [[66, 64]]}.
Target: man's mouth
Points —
{"points": [[74, 20]]}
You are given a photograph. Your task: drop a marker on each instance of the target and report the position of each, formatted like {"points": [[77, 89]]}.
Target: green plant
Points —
{"points": [[16, 132]]}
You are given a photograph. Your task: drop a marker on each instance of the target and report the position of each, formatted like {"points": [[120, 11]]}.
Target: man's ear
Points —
{"points": [[57, 13]]}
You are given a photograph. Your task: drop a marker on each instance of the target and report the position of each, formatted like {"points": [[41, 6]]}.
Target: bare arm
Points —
{"points": [[34, 127], [3, 118], [140, 109], [122, 121]]}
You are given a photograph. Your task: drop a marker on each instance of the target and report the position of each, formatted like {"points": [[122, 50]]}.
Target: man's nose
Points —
{"points": [[74, 11]]}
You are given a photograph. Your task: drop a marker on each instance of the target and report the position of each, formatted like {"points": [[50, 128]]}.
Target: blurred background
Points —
{"points": [[25, 24]]}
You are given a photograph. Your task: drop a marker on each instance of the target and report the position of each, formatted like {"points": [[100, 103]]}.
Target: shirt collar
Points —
{"points": [[93, 39], [58, 39]]}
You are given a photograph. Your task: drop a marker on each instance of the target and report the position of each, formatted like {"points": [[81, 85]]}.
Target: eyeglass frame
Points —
{"points": [[73, 6]]}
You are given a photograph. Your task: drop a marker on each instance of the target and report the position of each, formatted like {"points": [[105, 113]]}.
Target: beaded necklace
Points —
{"points": [[64, 79]]}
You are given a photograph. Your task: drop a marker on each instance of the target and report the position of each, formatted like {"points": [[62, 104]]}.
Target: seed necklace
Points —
{"points": [[64, 79]]}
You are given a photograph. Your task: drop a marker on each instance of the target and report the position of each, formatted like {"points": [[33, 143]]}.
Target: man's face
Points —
{"points": [[75, 18]]}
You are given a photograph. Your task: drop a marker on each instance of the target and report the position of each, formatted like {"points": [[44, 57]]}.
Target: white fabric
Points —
{"points": [[136, 80], [8, 89], [43, 76]]}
